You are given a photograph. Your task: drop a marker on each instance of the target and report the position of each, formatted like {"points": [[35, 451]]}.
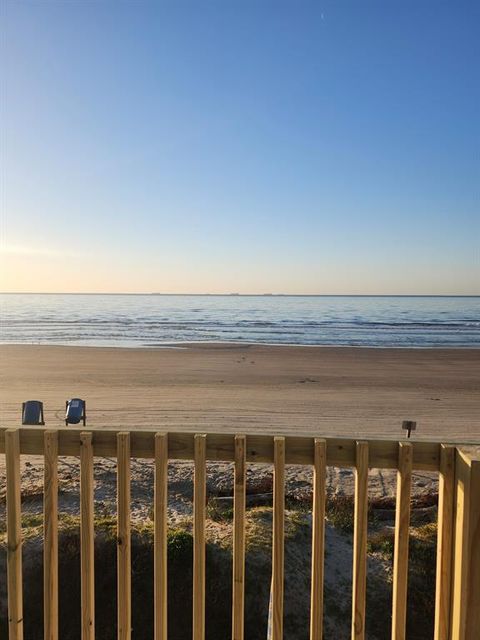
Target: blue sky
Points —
{"points": [[298, 147]]}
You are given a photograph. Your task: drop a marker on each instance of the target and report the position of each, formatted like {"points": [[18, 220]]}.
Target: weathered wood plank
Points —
{"points": [[87, 538], [402, 525], [14, 536], [50, 547], [238, 571], [160, 536], [341, 452], [199, 500], [318, 539], [444, 542], [278, 545], [124, 589], [359, 586]]}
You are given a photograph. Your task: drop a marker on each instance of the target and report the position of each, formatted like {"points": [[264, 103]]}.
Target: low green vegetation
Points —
{"points": [[339, 512], [219, 511]]}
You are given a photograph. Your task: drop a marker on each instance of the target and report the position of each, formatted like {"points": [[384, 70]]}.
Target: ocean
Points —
{"points": [[160, 320]]}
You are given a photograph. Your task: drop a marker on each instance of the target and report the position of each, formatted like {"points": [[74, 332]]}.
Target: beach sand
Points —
{"points": [[245, 389], [257, 389]]}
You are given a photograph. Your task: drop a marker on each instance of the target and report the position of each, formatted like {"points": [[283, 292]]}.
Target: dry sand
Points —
{"points": [[303, 390]]}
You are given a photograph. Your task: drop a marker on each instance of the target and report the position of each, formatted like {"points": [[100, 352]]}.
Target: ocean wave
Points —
{"points": [[117, 320]]}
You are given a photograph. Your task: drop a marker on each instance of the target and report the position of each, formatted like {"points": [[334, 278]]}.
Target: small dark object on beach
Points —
{"points": [[409, 426], [32, 412], [75, 411]]}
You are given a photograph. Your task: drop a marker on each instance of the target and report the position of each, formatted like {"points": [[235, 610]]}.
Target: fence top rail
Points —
{"points": [[341, 452]]}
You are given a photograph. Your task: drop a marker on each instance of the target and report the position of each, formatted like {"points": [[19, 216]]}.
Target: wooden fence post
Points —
{"points": [[318, 539], [50, 548], [402, 526], [199, 503], [124, 588], [446, 493], [87, 537], [359, 591], [160, 536], [278, 540], [466, 561], [238, 570], [14, 535]]}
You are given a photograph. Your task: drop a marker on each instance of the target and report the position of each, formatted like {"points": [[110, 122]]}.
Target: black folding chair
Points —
{"points": [[75, 411], [32, 412]]}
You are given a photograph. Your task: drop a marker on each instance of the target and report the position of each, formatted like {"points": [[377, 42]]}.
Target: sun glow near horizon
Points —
{"points": [[36, 270]]}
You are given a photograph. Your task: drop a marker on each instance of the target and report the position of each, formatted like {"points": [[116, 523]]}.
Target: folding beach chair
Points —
{"points": [[32, 412], [75, 411]]}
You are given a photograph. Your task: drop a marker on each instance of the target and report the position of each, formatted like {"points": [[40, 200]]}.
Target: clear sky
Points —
{"points": [[254, 146]]}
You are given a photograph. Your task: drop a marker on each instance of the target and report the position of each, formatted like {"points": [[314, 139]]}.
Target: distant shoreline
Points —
{"points": [[243, 295], [240, 345]]}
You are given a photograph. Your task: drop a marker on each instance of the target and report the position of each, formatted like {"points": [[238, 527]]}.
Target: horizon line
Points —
{"points": [[246, 295]]}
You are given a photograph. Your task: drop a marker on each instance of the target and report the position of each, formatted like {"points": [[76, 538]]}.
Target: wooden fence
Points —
{"points": [[457, 610]]}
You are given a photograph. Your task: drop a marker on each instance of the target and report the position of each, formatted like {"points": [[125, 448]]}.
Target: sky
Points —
{"points": [[252, 147]]}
